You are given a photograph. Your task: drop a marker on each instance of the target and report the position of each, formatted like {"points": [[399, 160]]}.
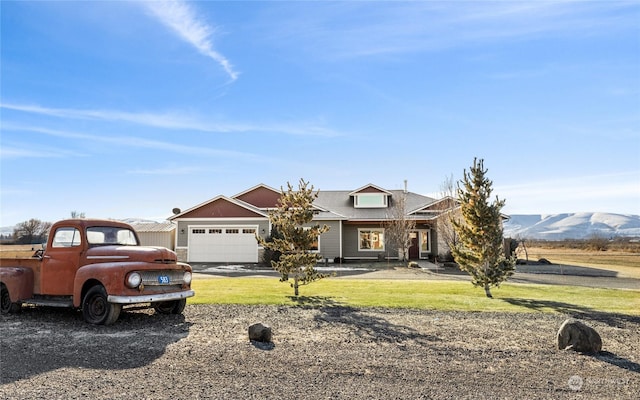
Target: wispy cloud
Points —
{"points": [[171, 170], [18, 150], [182, 18], [132, 141], [387, 28], [178, 121]]}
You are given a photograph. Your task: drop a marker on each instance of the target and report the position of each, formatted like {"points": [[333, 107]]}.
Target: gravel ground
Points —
{"points": [[324, 351]]}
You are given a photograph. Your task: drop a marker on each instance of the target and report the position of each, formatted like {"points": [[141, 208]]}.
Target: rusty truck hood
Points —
{"points": [[131, 253]]}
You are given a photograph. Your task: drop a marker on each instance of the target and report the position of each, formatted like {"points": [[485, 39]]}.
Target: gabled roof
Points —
{"points": [[370, 188], [437, 206], [221, 207], [340, 202], [261, 196], [330, 205]]}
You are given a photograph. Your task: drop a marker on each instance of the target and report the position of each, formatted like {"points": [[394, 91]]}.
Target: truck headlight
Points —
{"points": [[133, 280], [187, 278]]}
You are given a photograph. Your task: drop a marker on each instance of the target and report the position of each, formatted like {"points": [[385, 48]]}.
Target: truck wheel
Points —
{"points": [[97, 310], [171, 307], [6, 306]]}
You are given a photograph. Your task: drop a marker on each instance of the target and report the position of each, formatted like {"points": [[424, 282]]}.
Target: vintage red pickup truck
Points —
{"points": [[97, 266]]}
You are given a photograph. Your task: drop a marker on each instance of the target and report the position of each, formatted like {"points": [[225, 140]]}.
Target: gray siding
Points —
{"points": [[330, 240], [162, 239], [350, 244]]}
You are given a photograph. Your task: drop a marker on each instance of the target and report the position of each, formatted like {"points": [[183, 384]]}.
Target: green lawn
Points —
{"points": [[432, 295]]}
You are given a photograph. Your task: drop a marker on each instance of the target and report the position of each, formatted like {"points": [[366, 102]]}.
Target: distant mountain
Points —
{"points": [[137, 221], [535, 226], [572, 226]]}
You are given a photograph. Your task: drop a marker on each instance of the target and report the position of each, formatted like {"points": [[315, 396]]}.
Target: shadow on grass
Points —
{"points": [[314, 301], [364, 325], [578, 312]]}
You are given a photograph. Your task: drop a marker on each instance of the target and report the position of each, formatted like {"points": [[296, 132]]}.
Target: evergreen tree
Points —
{"points": [[480, 249], [296, 237]]}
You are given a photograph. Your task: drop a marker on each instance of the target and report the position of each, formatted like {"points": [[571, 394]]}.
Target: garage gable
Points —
{"points": [[261, 196], [221, 207]]}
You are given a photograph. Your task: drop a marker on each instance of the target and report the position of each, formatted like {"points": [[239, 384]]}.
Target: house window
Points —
{"points": [[199, 231], [370, 200], [251, 231], [315, 245], [371, 239], [233, 230], [425, 242], [215, 231]]}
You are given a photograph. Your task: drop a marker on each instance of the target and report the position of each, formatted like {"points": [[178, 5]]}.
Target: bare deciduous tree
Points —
{"points": [[398, 227], [31, 231], [449, 214], [77, 214]]}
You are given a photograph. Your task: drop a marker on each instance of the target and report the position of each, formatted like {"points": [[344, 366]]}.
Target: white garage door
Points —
{"points": [[223, 244]]}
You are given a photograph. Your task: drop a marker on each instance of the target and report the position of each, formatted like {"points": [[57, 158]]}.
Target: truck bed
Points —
{"points": [[18, 251]]}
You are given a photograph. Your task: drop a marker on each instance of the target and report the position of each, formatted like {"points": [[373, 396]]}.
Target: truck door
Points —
{"points": [[61, 261]]}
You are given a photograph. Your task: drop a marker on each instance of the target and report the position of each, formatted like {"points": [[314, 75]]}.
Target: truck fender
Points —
{"points": [[110, 275], [19, 282]]}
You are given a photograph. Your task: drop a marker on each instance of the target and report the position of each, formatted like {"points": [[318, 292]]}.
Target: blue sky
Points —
{"points": [[128, 109]]}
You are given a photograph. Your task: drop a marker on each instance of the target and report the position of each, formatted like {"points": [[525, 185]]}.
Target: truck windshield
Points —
{"points": [[109, 235]]}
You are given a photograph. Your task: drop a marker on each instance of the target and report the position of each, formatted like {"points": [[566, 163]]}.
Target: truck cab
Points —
{"points": [[97, 266]]}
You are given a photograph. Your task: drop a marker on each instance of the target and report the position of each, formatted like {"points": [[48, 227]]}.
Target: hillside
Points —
{"points": [[572, 226]]}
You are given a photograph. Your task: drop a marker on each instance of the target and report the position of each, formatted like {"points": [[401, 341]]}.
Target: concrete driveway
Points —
{"points": [[541, 274]]}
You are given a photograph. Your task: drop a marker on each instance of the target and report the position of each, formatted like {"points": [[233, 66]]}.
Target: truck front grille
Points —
{"points": [[162, 278]]}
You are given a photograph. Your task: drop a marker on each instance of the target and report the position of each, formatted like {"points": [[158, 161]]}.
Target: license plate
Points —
{"points": [[163, 279]]}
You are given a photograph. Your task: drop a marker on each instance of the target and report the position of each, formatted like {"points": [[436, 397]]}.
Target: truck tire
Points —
{"points": [[171, 307], [6, 306], [97, 310]]}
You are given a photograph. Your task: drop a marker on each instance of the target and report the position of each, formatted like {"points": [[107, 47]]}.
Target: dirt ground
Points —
{"points": [[319, 351]]}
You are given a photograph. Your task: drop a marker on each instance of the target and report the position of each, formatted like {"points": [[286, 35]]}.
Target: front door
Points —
{"points": [[414, 249], [60, 263]]}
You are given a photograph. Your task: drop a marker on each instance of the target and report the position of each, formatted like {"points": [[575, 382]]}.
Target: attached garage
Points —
{"points": [[223, 244]]}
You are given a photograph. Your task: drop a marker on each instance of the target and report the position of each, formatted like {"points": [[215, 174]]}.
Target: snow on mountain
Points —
{"points": [[572, 226]]}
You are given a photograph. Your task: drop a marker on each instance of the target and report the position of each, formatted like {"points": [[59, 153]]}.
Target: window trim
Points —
{"points": [[316, 250], [380, 230], [423, 233], [383, 204]]}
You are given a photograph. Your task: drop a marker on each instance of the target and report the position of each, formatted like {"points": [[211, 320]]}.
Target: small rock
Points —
{"points": [[260, 333], [575, 335]]}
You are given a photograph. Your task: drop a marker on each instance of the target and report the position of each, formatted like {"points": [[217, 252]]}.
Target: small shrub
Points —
{"points": [[597, 243]]}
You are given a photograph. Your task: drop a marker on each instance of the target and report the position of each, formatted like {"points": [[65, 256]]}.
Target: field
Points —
{"points": [[624, 259]]}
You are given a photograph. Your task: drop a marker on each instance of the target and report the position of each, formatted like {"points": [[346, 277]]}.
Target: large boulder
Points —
{"points": [[260, 333], [575, 335]]}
